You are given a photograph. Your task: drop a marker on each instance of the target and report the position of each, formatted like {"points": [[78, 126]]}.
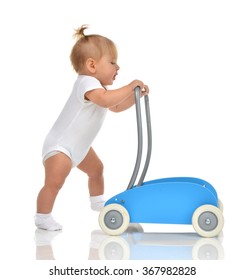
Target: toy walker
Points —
{"points": [[178, 200]]}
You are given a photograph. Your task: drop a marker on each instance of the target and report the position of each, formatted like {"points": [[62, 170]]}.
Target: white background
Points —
{"points": [[190, 53]]}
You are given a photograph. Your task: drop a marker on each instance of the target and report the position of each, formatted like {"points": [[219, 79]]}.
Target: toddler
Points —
{"points": [[68, 144]]}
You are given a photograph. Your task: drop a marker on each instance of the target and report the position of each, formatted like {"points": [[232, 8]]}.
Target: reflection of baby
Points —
{"points": [[43, 240]]}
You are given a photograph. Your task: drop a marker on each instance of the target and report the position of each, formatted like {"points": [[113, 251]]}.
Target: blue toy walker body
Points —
{"points": [[166, 201], [177, 200]]}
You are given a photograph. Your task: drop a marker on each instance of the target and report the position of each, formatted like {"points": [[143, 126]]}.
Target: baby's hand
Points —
{"points": [[144, 90]]}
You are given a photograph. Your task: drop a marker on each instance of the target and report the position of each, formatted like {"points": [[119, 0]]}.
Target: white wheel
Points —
{"points": [[208, 220], [220, 205], [134, 228], [114, 219]]}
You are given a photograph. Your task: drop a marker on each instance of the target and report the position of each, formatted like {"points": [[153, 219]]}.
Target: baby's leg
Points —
{"points": [[57, 169], [93, 167]]}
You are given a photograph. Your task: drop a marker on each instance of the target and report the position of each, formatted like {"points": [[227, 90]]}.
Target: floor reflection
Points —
{"points": [[135, 244], [43, 240]]}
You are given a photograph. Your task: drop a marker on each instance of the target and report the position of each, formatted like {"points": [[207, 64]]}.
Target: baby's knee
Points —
{"points": [[97, 170], [55, 183]]}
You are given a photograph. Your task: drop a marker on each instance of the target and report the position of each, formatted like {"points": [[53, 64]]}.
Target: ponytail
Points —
{"points": [[79, 32]]}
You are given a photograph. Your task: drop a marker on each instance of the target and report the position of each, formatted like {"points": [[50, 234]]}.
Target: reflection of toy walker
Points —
{"points": [[178, 200], [158, 246]]}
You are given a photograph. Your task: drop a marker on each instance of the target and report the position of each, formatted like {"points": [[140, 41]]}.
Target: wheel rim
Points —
{"points": [[113, 219], [208, 221]]}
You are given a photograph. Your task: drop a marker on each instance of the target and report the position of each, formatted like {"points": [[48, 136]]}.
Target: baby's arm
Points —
{"points": [[113, 98], [127, 103]]}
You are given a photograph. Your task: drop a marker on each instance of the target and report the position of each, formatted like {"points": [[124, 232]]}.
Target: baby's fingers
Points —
{"points": [[145, 90]]}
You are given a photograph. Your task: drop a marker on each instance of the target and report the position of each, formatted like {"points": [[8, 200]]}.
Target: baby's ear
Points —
{"points": [[91, 65]]}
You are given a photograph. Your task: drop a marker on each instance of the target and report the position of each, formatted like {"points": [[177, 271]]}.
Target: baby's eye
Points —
{"points": [[113, 63]]}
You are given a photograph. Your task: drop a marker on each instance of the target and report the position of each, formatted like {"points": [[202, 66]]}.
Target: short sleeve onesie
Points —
{"points": [[78, 123]]}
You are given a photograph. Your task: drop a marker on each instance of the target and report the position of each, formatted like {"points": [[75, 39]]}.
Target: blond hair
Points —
{"points": [[90, 46]]}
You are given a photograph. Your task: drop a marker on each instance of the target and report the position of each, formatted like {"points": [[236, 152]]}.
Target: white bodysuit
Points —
{"points": [[77, 125]]}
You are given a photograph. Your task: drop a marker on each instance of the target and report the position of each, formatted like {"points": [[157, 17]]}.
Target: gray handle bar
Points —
{"points": [[137, 94]]}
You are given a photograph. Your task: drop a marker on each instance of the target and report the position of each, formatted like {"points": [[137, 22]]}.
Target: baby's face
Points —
{"points": [[107, 69]]}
